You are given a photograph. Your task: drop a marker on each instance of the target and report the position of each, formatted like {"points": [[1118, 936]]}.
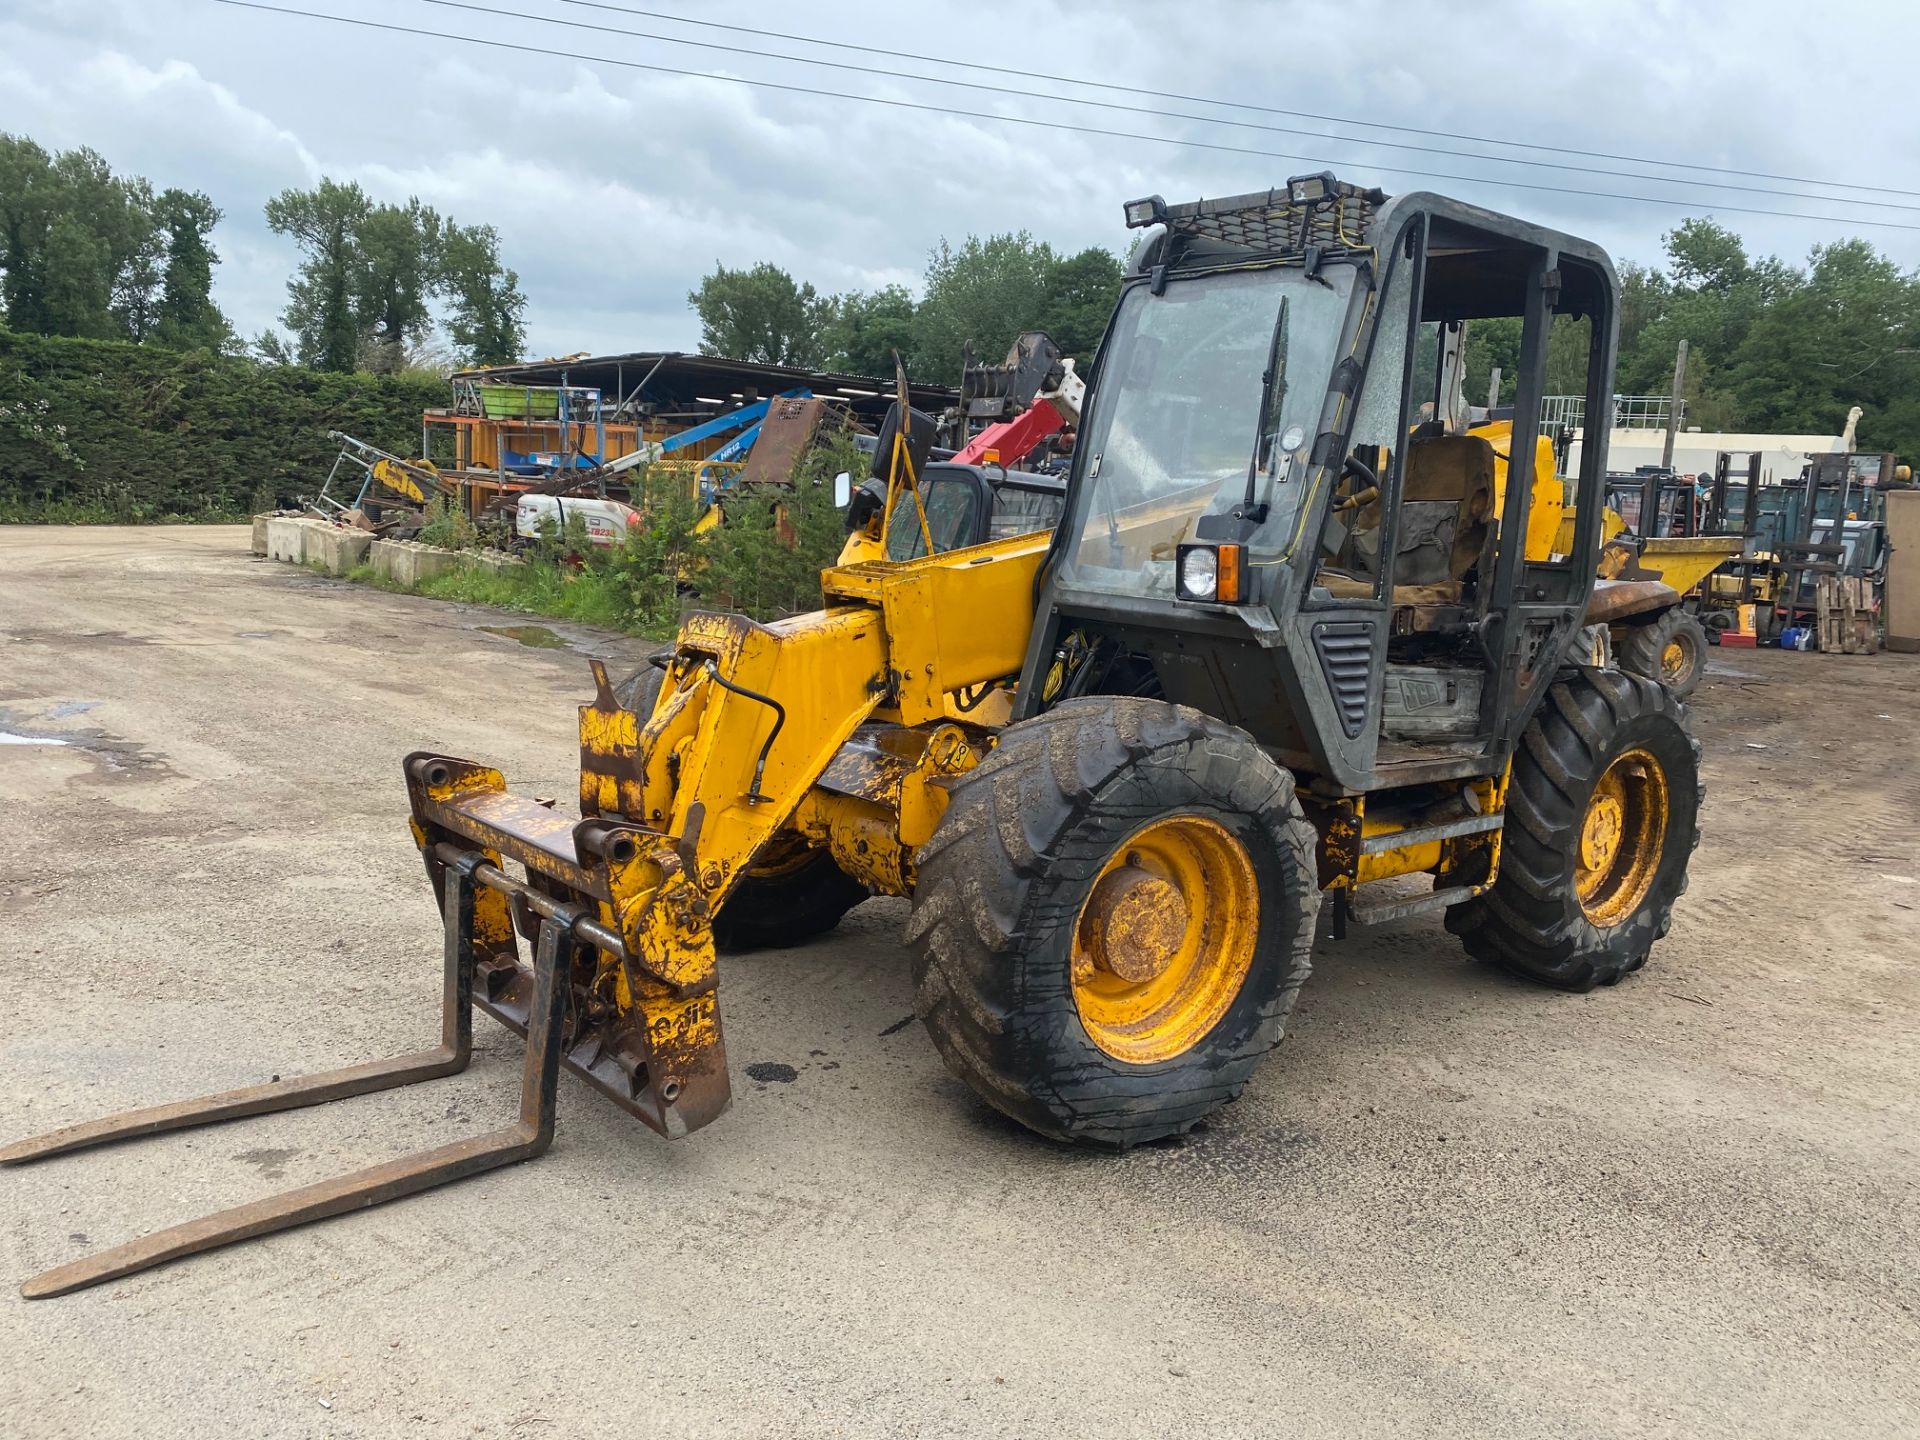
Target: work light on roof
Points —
{"points": [[1311, 189], [1150, 211]]}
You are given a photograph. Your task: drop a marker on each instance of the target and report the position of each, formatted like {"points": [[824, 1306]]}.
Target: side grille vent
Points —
{"points": [[1346, 659]]}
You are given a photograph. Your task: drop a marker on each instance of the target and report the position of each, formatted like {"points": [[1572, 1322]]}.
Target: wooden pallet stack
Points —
{"points": [[1843, 611]]}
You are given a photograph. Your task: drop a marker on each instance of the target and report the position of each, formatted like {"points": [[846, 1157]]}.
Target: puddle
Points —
{"points": [[534, 637], [119, 759], [71, 708]]}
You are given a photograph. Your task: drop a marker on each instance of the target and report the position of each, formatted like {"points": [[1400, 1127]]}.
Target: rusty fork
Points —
{"points": [[528, 1137]]}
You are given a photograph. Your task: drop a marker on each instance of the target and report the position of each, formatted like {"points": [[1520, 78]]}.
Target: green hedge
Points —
{"points": [[96, 430]]}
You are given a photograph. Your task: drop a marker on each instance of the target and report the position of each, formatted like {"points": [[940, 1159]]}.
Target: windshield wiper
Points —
{"points": [[1273, 393], [1113, 515]]}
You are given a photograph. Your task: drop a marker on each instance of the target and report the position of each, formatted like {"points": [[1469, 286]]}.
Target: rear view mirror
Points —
{"points": [[842, 490]]}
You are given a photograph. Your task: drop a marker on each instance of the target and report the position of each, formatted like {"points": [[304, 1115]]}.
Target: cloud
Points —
{"points": [[616, 189]]}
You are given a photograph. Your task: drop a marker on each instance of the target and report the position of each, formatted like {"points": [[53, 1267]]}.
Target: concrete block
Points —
{"points": [[494, 560], [381, 558], [287, 539], [338, 548], [406, 563], [260, 533]]}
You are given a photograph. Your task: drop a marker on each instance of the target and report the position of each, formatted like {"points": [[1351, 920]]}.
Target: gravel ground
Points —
{"points": [[1449, 1204]]}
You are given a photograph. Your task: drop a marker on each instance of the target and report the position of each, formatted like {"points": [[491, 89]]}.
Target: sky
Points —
{"points": [[616, 188]]}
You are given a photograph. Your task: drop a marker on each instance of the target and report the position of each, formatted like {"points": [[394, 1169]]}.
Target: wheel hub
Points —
{"points": [[1673, 660], [1135, 921], [1165, 939], [1600, 836], [1622, 838]]}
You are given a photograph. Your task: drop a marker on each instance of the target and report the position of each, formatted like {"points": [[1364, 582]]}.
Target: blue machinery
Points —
{"points": [[748, 416], [735, 449]]}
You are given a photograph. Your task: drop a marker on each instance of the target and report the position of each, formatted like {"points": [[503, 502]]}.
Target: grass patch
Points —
{"points": [[764, 560], [588, 595], [97, 512]]}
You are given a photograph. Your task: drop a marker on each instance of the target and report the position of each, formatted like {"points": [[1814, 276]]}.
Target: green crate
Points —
{"points": [[517, 402]]}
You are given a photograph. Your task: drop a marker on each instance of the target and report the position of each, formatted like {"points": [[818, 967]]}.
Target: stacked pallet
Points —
{"points": [[1843, 610]]}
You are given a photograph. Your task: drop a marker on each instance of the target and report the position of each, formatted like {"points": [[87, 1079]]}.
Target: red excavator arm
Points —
{"points": [[1011, 441], [1034, 367]]}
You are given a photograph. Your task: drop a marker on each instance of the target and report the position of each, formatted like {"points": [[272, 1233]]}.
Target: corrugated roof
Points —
{"points": [[668, 379]]}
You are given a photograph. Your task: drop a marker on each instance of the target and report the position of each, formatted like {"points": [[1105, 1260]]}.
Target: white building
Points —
{"points": [[1641, 439]]}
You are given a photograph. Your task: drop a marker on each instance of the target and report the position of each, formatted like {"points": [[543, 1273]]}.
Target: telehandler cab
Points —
{"points": [[1288, 639]]}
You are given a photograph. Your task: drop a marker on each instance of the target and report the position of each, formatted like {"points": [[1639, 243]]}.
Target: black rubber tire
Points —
{"points": [[780, 910], [1531, 922], [1002, 883], [762, 911], [640, 689], [1637, 649]]}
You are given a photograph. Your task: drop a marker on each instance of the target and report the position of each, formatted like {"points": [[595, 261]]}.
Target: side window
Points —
{"points": [[1349, 545], [1376, 419], [1022, 512], [950, 501]]}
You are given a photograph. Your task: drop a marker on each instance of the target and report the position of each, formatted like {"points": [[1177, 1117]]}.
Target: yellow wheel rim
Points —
{"points": [[1622, 836], [1673, 661], [1165, 939]]}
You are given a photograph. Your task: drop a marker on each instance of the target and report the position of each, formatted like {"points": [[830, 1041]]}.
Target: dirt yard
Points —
{"points": [[1449, 1204]]}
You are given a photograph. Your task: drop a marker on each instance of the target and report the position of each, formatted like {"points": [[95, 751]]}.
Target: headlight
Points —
{"points": [[1199, 572], [1211, 572]]}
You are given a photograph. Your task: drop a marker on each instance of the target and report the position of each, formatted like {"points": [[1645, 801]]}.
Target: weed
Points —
{"points": [[764, 559]]}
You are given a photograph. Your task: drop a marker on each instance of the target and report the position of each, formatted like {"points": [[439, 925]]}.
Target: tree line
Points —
{"points": [[985, 291], [1772, 346], [88, 254]]}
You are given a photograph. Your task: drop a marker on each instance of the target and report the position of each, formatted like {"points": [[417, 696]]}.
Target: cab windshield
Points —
{"points": [[1212, 387]]}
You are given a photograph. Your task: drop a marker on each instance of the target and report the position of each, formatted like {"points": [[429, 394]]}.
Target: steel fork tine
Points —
{"points": [[529, 1136], [451, 1057]]}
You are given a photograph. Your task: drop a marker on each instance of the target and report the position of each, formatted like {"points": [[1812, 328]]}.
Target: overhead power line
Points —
{"points": [[1028, 93], [956, 62], [1032, 123]]}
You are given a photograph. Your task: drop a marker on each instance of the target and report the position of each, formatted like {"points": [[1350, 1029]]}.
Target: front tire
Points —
{"points": [[1113, 919], [1602, 816], [784, 900]]}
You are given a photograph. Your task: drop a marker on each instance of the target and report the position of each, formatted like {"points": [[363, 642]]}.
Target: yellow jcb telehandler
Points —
{"points": [[1283, 644]]}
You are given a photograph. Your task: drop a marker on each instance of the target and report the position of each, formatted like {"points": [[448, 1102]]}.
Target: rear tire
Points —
{"points": [[1671, 650], [1069, 806], [1608, 755], [777, 903]]}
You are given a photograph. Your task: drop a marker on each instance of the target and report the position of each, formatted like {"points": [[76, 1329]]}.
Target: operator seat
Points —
{"points": [[1445, 523]]}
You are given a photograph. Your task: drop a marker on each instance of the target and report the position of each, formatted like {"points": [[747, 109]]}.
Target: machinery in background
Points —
{"points": [[392, 494], [977, 494], [1804, 544], [1014, 413], [606, 522], [1652, 530]]}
